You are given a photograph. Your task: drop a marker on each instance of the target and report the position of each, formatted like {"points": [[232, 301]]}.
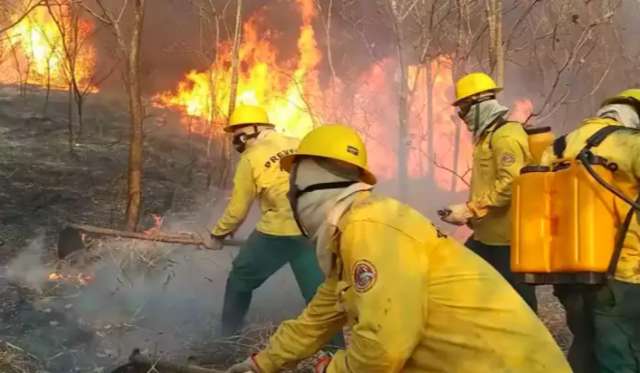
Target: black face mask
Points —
{"points": [[240, 140], [295, 193]]}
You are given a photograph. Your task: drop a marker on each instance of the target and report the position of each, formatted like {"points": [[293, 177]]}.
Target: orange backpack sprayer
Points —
{"points": [[564, 218]]}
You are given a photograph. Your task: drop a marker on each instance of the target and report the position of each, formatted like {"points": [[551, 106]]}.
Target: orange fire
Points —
{"points": [[438, 145], [78, 278], [35, 52], [263, 80]]}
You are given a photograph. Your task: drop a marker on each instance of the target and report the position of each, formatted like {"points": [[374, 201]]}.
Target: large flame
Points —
{"points": [[437, 145], [263, 80], [35, 53]]}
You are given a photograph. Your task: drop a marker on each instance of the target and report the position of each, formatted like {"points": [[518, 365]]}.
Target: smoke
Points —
{"points": [[163, 298], [28, 268]]}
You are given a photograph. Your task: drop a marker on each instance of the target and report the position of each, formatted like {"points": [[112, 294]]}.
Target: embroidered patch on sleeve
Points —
{"points": [[364, 276], [508, 159]]}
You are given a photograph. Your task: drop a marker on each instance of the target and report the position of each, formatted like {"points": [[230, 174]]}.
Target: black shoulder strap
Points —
{"points": [[559, 146], [622, 235], [500, 122], [600, 135]]}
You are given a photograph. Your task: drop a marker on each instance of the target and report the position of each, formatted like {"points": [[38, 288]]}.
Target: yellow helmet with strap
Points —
{"points": [[245, 115], [473, 84], [631, 95], [337, 142]]}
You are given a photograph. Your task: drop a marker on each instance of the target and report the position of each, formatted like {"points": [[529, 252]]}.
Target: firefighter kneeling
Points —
{"points": [[415, 300]]}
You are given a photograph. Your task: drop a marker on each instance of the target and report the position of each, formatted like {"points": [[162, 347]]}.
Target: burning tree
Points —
{"points": [[129, 47]]}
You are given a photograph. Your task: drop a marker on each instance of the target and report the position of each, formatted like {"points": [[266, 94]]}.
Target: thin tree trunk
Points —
{"points": [[402, 114], [235, 58], [233, 91], [70, 119], [496, 50], [136, 109], [430, 122]]}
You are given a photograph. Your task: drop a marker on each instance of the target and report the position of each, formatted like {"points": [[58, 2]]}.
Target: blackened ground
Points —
{"points": [[43, 185]]}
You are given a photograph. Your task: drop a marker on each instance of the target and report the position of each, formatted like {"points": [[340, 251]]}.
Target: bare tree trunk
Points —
{"points": [[48, 91], [496, 49], [402, 113], [136, 109], [70, 119], [430, 122], [235, 58], [233, 91]]}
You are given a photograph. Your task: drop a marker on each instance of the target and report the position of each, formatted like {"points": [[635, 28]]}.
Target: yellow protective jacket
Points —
{"points": [[498, 157], [258, 175], [416, 301], [622, 148]]}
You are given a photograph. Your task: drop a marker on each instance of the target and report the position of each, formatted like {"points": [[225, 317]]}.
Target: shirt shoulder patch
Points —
{"points": [[507, 159], [364, 275]]}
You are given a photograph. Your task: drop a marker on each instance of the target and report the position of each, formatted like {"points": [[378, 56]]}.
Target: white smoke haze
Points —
{"points": [[165, 299]]}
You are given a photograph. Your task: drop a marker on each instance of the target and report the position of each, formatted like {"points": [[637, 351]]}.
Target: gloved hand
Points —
{"points": [[211, 242], [247, 366], [322, 363], [456, 214], [477, 210]]}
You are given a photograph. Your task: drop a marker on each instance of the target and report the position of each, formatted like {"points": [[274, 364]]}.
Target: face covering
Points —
{"points": [[309, 201], [625, 115], [481, 115], [241, 139]]}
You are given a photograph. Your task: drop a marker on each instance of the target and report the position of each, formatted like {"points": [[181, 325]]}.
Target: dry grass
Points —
{"points": [[14, 359]]}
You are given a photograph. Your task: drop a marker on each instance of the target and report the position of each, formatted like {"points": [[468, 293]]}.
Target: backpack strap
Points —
{"points": [[593, 141], [600, 135], [499, 123], [559, 146], [622, 235]]}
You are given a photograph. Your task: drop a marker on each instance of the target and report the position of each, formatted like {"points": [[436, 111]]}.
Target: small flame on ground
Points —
{"points": [[78, 278]]}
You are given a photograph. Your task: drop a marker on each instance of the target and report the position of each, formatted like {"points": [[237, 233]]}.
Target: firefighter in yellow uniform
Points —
{"points": [[501, 149], [415, 299], [276, 240], [605, 320]]}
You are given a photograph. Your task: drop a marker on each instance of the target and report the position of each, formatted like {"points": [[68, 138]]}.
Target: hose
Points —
{"points": [[584, 158]]}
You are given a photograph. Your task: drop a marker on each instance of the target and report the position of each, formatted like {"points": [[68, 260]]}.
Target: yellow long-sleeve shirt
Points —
{"points": [[416, 301], [622, 148], [258, 175], [498, 157]]}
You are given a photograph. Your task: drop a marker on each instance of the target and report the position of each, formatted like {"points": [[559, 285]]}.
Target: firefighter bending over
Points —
{"points": [[276, 240], [415, 299]]}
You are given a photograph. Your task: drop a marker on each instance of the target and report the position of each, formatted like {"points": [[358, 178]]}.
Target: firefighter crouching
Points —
{"points": [[415, 299], [605, 319]]}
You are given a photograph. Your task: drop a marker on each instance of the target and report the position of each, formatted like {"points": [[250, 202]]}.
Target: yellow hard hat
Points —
{"points": [[247, 114], [626, 96], [473, 84], [333, 141]]}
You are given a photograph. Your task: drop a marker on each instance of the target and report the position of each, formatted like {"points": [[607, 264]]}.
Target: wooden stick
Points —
{"points": [[165, 366], [184, 239]]}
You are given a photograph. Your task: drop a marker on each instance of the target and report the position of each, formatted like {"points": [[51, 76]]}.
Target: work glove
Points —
{"points": [[322, 363], [211, 242], [247, 366], [456, 214], [477, 210]]}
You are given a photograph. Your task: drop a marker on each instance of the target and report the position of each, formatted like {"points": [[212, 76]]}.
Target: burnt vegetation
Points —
{"points": [[102, 124]]}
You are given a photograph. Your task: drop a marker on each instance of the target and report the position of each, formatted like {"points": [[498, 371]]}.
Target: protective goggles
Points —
{"points": [[464, 107], [240, 140]]}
